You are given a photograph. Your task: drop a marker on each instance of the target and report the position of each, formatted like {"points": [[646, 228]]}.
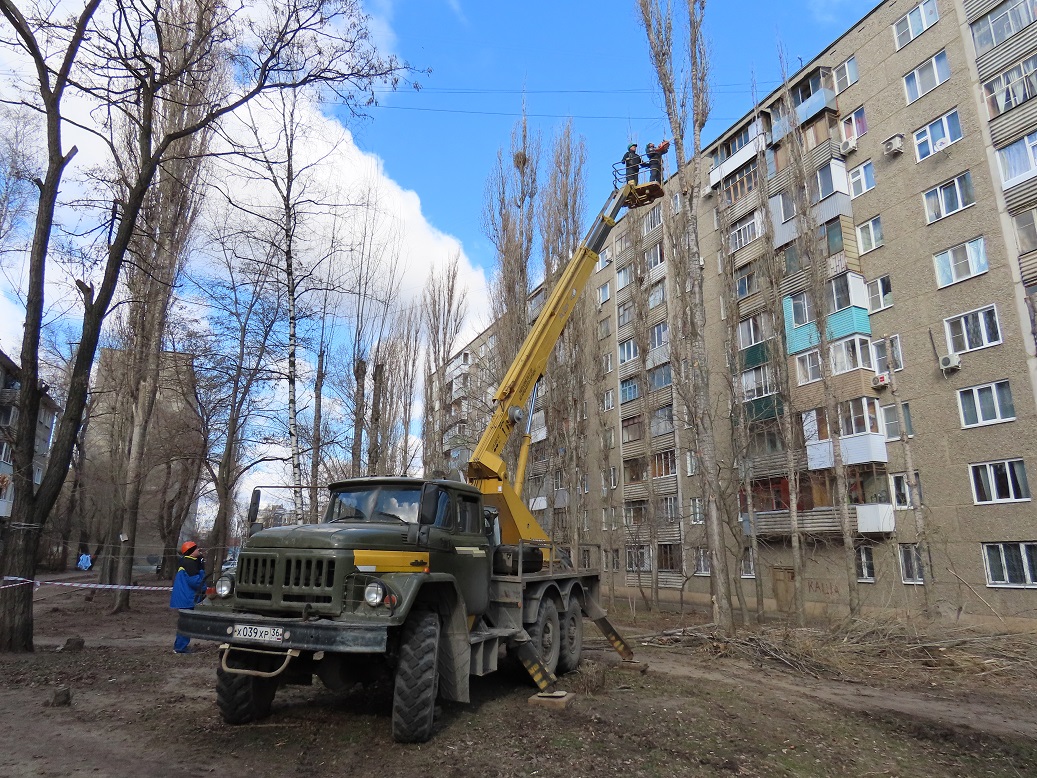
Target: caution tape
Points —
{"points": [[26, 581]]}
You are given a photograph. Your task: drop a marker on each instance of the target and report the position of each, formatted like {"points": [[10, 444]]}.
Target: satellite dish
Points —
{"points": [[940, 145]]}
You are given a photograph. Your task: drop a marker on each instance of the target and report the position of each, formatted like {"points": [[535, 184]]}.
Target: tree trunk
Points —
{"points": [[359, 414], [374, 435]]}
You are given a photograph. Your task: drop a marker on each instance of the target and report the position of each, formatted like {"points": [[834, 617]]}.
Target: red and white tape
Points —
{"points": [[27, 581]]}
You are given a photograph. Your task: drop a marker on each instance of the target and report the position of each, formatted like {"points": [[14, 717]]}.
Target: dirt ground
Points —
{"points": [[138, 709]]}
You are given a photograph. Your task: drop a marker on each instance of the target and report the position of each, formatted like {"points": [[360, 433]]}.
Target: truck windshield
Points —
{"points": [[378, 503]]}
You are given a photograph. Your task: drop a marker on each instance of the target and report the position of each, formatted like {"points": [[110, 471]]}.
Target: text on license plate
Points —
{"points": [[250, 632]]}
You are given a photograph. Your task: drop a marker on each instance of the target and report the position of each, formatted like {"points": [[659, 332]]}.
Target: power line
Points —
{"points": [[529, 115]]}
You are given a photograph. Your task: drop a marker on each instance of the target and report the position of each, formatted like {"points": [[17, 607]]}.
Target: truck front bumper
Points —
{"points": [[308, 635]]}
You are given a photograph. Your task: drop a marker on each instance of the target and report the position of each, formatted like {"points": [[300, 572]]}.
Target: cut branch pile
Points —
{"points": [[891, 651]]}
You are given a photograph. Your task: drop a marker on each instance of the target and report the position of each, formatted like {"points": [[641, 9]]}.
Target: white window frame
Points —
{"points": [[696, 511], [1009, 17], [938, 62], [806, 305], [664, 463], [949, 323], [875, 292], [758, 382], [639, 558], [606, 362], [898, 354], [604, 293], [923, 137], [915, 22], [624, 276], [808, 367], [949, 263], [627, 351], [895, 492], [702, 565], [870, 232], [608, 401], [1027, 551], [1002, 406], [912, 566], [691, 463], [1018, 83], [754, 329], [603, 258], [657, 294], [743, 232], [960, 188], [859, 179], [852, 124], [629, 390], [824, 186], [990, 468], [654, 256], [1024, 149], [747, 570], [889, 420], [845, 75], [865, 564], [839, 350], [1025, 224], [658, 335], [786, 205], [653, 219], [746, 282]]}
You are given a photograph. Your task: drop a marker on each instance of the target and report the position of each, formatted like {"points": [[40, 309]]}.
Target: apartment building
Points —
{"points": [[919, 137], [10, 380]]}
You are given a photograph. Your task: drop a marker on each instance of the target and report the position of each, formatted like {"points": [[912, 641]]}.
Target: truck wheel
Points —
{"points": [[417, 679], [545, 634], [243, 698], [571, 630]]}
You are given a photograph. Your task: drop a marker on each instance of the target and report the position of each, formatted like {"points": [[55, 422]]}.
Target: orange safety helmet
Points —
{"points": [[188, 548]]}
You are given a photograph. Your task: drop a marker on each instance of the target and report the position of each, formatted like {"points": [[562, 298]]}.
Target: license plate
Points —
{"points": [[265, 634]]}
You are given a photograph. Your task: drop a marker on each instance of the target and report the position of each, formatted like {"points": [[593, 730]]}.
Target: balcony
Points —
{"points": [[819, 101], [736, 160], [865, 519], [856, 450]]}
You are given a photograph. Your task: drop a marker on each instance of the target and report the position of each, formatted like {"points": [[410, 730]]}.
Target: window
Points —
{"points": [[1003, 481], [802, 309], [855, 124], [628, 390], [869, 235], [824, 184], [624, 313], [937, 135], [609, 400], [638, 559], [986, 404], [846, 74], [1002, 23], [865, 564], [701, 560], [634, 471], [949, 198], [627, 351], [605, 327], [691, 463], [1011, 564], [604, 258], [659, 377], [862, 178], [787, 204], [757, 382], [747, 563], [631, 429], [740, 183], [973, 330], [911, 567], [664, 463], [624, 276], [765, 439], [743, 232], [882, 361], [850, 354], [696, 513], [652, 220], [831, 236], [790, 256], [901, 491], [960, 262], [559, 482], [675, 201], [1026, 231], [657, 294], [1012, 87], [892, 423], [915, 22], [659, 335], [927, 76], [662, 421], [654, 256], [858, 416], [670, 558], [745, 282], [606, 363], [755, 329], [808, 367], [603, 293], [613, 477], [880, 294], [1018, 161]]}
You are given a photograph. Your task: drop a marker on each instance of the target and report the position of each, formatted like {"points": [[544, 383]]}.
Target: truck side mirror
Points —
{"points": [[429, 505], [254, 527]]}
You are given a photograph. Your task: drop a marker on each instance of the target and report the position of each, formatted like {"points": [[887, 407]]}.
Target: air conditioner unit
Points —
{"points": [[893, 145], [881, 381], [848, 145], [950, 362]]}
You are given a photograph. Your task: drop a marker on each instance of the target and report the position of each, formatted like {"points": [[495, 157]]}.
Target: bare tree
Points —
{"points": [[679, 84], [116, 55], [19, 136]]}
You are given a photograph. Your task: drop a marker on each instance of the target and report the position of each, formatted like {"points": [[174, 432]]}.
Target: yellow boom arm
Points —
{"points": [[486, 468]]}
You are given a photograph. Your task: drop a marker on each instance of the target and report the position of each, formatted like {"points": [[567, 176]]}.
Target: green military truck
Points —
{"points": [[431, 578]]}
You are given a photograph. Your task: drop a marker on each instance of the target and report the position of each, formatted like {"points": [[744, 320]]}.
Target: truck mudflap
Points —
{"points": [[227, 648], [290, 633]]}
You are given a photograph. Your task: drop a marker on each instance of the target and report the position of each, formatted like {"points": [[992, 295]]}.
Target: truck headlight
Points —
{"points": [[224, 586], [374, 594]]}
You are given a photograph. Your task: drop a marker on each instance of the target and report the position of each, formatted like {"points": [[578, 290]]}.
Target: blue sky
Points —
{"points": [[585, 60]]}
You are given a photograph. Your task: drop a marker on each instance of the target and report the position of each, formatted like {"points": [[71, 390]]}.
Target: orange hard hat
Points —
{"points": [[188, 548]]}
